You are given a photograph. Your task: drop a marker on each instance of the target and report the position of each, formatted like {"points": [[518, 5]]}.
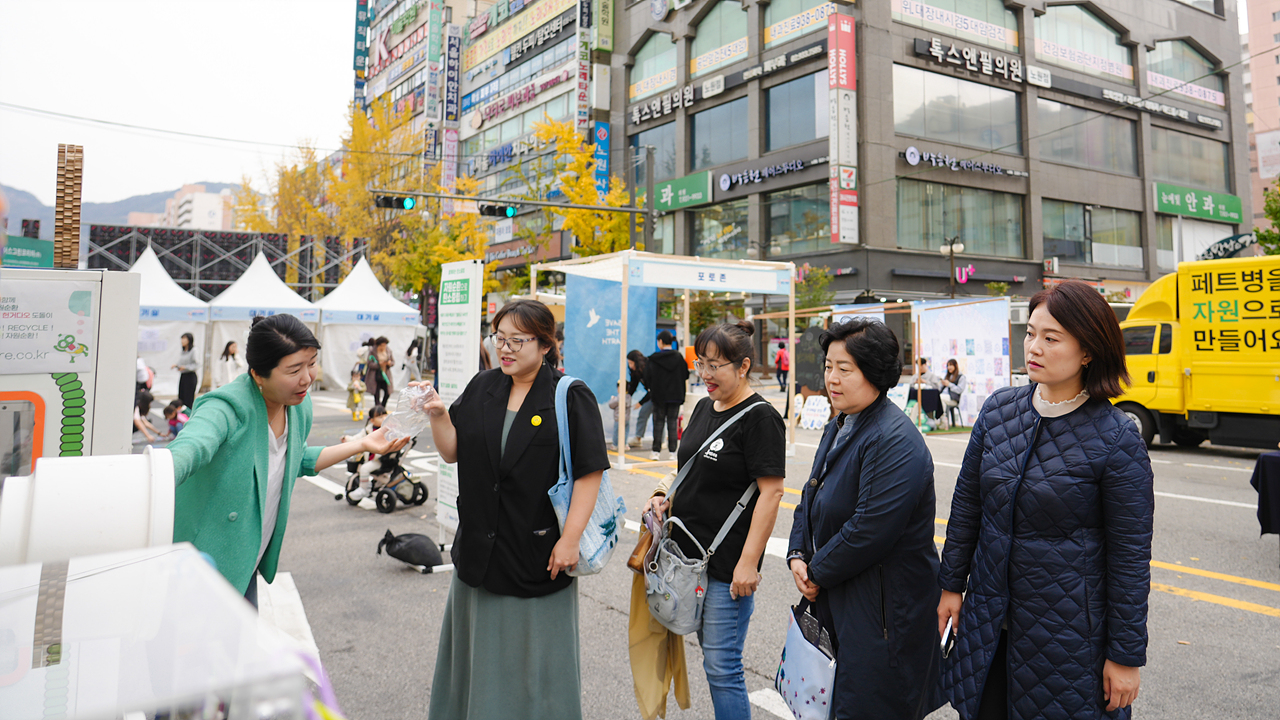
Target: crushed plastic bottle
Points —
{"points": [[410, 416]]}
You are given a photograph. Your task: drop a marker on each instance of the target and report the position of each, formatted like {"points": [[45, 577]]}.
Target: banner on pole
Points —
{"points": [[843, 138]]}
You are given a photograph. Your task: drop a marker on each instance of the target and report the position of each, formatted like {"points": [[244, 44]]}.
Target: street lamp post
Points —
{"points": [[951, 246]]}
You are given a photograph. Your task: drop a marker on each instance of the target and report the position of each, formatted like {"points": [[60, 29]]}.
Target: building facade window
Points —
{"points": [[1177, 66], [1091, 234], [655, 67], [719, 135], [797, 111], [1184, 159], [799, 220], [545, 62], [721, 39], [986, 221], [488, 148], [944, 108], [1072, 37], [1164, 244], [663, 139], [1074, 136], [1205, 5], [786, 20], [720, 231], [983, 21]]}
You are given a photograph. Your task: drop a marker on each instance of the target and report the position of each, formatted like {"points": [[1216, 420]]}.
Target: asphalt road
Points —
{"points": [[1214, 624]]}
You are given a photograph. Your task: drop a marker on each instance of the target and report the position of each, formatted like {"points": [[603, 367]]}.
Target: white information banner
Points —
{"points": [[458, 361], [48, 326], [650, 273]]}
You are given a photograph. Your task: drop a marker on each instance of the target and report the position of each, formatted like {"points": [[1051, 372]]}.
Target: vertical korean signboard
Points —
{"points": [[602, 158], [604, 25], [583, 93], [452, 111], [458, 312], [843, 152], [361, 60], [435, 31]]}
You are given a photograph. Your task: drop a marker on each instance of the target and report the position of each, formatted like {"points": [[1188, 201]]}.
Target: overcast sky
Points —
{"points": [[276, 71]]}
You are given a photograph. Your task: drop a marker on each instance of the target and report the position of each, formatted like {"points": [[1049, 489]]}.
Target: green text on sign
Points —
{"points": [[455, 292], [1177, 200], [683, 192]]}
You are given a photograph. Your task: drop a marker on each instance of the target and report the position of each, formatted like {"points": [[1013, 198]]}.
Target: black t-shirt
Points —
{"points": [[752, 448]]}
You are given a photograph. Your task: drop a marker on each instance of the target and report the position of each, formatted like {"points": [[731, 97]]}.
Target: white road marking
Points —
{"points": [[1219, 467], [1215, 501], [938, 463], [336, 489], [769, 700]]}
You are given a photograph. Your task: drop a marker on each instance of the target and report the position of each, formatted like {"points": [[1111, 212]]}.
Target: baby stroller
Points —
{"points": [[392, 482]]}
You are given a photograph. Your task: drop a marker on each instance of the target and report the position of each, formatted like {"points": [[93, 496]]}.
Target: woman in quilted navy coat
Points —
{"points": [[861, 546], [1050, 531]]}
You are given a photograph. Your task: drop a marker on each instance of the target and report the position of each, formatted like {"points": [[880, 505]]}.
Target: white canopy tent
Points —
{"points": [[358, 309], [643, 269], [259, 291], [166, 311]]}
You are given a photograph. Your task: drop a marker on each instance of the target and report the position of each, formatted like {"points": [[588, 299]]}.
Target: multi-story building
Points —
{"points": [[1106, 134], [192, 208], [1263, 101]]}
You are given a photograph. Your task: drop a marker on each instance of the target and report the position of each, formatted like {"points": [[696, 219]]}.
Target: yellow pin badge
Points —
{"points": [[536, 420]]}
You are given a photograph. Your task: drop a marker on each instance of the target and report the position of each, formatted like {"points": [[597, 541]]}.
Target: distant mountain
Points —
{"points": [[23, 205]]}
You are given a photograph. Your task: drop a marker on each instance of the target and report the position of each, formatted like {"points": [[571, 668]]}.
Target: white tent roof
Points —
{"points": [[361, 299], [259, 291], [160, 298]]}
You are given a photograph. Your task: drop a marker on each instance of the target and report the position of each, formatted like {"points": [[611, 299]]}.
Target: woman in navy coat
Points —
{"points": [[861, 546], [1050, 531]]}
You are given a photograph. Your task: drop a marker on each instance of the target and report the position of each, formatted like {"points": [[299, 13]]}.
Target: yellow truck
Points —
{"points": [[1203, 350]]}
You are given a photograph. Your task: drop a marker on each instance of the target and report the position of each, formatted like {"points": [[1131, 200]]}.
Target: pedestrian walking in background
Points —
{"points": [[386, 363], [861, 548], [243, 448], [635, 372], [188, 364], [411, 362], [509, 641], [752, 450], [230, 365], [666, 375], [645, 403], [141, 376], [1050, 531], [782, 361]]}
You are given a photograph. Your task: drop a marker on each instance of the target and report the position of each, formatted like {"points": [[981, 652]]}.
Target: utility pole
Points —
{"points": [[650, 217], [631, 184], [951, 246]]}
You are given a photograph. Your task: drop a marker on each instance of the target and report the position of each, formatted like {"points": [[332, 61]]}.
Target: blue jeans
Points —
{"points": [[723, 634]]}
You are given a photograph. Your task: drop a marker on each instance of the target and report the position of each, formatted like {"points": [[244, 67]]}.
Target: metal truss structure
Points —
{"points": [[206, 262]]}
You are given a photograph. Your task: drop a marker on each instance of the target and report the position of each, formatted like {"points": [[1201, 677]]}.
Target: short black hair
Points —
{"points": [[666, 338], [923, 361], [732, 342], [873, 346], [274, 337]]}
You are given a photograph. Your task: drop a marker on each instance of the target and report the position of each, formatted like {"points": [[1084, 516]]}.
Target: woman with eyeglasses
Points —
{"points": [[751, 451], [509, 641]]}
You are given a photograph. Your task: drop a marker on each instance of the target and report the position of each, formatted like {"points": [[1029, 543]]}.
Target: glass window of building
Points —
{"points": [[721, 39], [663, 139], [1164, 244], [799, 220], [1074, 136], [1205, 5], [1177, 66], [797, 111], [720, 231], [719, 135], [655, 67], [1072, 37], [1079, 233], [786, 20], [982, 21], [1184, 159], [948, 109], [987, 222]]}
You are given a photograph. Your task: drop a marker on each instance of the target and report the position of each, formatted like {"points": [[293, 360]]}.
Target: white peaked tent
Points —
{"points": [[259, 291], [359, 309], [166, 311]]}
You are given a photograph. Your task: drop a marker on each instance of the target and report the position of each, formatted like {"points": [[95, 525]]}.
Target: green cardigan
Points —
{"points": [[220, 465]]}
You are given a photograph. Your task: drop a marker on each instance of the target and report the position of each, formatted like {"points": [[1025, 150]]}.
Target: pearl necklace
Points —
{"points": [[1040, 394]]}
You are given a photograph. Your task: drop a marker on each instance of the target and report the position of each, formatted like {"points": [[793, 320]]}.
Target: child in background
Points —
{"points": [[369, 463], [355, 395], [177, 419]]}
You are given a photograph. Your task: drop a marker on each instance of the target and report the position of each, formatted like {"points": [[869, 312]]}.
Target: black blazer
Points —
{"points": [[507, 527]]}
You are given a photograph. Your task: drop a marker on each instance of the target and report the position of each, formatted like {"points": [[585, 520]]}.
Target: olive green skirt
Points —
{"points": [[504, 657]]}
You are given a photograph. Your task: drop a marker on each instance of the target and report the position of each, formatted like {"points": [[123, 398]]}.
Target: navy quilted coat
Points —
{"points": [[1050, 531], [865, 527]]}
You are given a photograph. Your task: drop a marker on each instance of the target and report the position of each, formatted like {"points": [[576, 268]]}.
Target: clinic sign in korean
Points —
{"points": [[1188, 202], [683, 192]]}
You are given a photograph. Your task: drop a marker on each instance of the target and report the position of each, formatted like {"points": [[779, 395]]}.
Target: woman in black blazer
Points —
{"points": [[509, 642]]}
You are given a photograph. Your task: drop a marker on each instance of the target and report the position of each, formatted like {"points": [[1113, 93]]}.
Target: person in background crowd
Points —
{"points": [[953, 386], [752, 450], [187, 365], [142, 376], [646, 407], [861, 548], [635, 371], [665, 375], [386, 362], [782, 360], [509, 643], [174, 415], [230, 365], [411, 360], [925, 376], [560, 344], [247, 440], [141, 409], [1049, 537]]}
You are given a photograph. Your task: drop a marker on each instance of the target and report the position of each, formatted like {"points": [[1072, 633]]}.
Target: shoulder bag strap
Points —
{"points": [[684, 471], [733, 516], [562, 426]]}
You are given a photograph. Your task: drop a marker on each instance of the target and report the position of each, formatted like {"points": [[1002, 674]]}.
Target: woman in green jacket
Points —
{"points": [[239, 455]]}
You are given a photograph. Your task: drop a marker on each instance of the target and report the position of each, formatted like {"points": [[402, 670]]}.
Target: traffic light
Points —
{"points": [[502, 211], [395, 202]]}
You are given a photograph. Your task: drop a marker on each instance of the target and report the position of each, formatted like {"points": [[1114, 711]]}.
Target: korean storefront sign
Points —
{"points": [[914, 156], [980, 60], [755, 175], [361, 59], [1236, 310], [1176, 200], [798, 24], [452, 74], [382, 57], [514, 29], [664, 104], [604, 25], [1157, 108], [582, 96], [683, 192], [435, 20], [955, 21], [1182, 87], [551, 32], [842, 155], [524, 95], [602, 158], [449, 168], [1088, 61], [27, 252], [722, 55]]}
